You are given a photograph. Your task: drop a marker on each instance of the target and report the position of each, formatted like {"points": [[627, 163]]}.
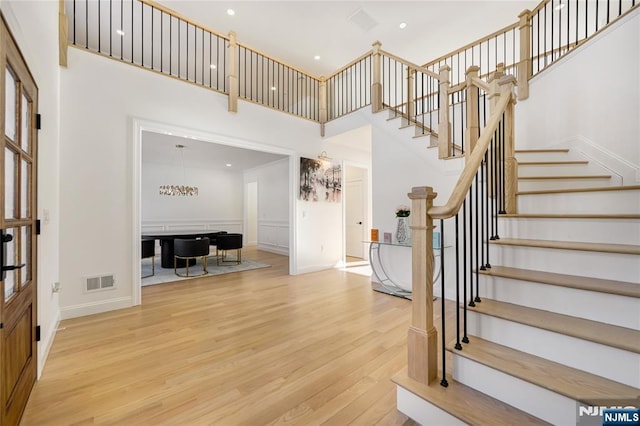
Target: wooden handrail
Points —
{"points": [[350, 64], [182, 17], [481, 84], [461, 189], [473, 43], [411, 65]]}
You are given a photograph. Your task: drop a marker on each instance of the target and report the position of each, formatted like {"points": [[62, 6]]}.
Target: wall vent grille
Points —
{"points": [[104, 282]]}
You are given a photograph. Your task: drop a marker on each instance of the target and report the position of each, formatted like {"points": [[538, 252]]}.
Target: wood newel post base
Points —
{"points": [[423, 355], [422, 337]]}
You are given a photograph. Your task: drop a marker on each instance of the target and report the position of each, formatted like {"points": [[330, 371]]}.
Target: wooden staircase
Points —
{"points": [[559, 320]]}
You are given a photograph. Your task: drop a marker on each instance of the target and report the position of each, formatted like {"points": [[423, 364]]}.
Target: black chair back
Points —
{"points": [[229, 241], [191, 247]]}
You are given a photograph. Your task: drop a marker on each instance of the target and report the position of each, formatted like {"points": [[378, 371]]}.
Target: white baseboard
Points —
{"points": [[97, 307], [273, 249], [629, 172], [46, 342]]}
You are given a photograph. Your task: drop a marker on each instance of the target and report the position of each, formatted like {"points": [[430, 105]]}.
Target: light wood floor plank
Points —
{"points": [[256, 347]]}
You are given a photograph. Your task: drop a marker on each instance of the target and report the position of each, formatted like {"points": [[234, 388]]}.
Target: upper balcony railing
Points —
{"points": [[430, 96]]}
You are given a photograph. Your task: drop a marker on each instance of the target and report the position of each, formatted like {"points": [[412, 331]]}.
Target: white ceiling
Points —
{"points": [[295, 31], [161, 149]]}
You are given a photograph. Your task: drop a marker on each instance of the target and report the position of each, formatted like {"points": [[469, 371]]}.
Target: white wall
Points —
{"points": [[273, 205], [219, 200], [596, 108], [97, 170], [34, 25]]}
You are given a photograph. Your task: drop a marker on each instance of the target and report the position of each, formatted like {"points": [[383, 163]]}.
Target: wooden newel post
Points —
{"points": [[62, 35], [524, 66], [376, 84], [323, 104], [422, 338], [507, 84], [445, 144], [411, 106], [472, 132], [232, 72]]}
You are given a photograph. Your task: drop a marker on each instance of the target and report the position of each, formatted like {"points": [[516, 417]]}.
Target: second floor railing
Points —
{"points": [[433, 96]]}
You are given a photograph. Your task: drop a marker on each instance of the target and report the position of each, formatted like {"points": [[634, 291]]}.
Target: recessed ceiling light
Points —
{"points": [[273, 88], [231, 12], [317, 57], [120, 32], [212, 66], [228, 164], [403, 25]]}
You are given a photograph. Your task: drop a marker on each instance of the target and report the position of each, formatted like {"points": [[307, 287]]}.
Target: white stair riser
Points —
{"points": [[613, 266], [539, 402], [612, 363], [548, 156], [535, 185], [621, 310], [421, 411], [609, 231], [560, 170], [611, 202]]}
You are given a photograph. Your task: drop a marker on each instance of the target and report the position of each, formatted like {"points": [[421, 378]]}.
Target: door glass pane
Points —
{"points": [[10, 106], [25, 254], [24, 189], [26, 124], [9, 189], [10, 259]]}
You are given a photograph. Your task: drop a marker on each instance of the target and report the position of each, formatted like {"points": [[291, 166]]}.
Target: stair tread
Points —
{"points": [[564, 177], [552, 163], [568, 381], [529, 151], [467, 404], [594, 331], [621, 288], [571, 245], [570, 216], [569, 190]]}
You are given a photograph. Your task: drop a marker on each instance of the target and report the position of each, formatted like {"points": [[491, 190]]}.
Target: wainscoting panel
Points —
{"points": [[273, 236]]}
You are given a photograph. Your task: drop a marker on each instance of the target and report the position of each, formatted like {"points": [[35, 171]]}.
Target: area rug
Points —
{"points": [[165, 275]]}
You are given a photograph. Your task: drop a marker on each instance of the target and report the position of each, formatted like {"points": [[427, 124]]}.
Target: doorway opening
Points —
{"points": [[357, 215]]}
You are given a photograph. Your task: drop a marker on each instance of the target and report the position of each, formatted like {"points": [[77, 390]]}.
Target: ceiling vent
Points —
{"points": [[362, 20], [104, 282]]}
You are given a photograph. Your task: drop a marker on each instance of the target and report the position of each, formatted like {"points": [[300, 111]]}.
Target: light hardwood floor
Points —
{"points": [[249, 348]]}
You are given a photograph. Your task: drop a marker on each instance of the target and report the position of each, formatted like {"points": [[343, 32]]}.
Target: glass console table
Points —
{"points": [[385, 284]]}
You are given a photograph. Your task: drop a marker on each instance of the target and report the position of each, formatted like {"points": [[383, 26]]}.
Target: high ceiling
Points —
{"points": [[340, 31]]}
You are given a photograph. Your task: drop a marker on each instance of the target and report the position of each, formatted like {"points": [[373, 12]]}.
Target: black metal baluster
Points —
{"points": [[483, 211], [161, 41], [552, 38], [487, 207], [142, 35], [74, 22], [110, 27], [494, 182], [99, 26], [465, 337], [502, 166], [443, 382], [132, 32], [471, 246], [121, 28], [458, 345], [477, 241], [86, 24]]}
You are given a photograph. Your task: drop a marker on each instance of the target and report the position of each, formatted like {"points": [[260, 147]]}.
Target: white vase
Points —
{"points": [[403, 233]]}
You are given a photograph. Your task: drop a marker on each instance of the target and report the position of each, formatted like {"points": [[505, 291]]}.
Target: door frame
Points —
{"points": [[27, 294], [368, 207]]}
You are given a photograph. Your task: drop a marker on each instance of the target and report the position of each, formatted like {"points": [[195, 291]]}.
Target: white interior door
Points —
{"points": [[355, 218]]}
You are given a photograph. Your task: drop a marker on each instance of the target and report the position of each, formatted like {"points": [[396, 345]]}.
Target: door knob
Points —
{"points": [[359, 223]]}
